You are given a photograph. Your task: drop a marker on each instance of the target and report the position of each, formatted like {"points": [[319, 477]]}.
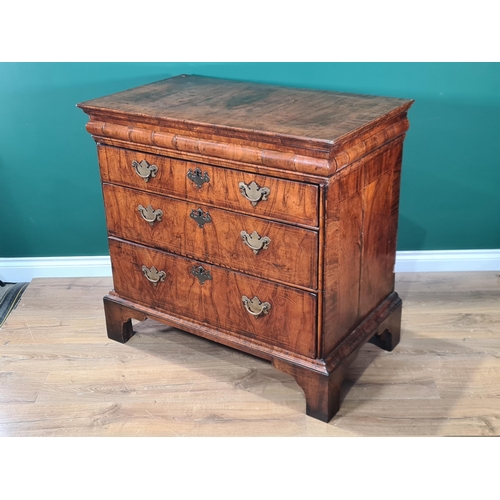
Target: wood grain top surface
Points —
{"points": [[233, 107]]}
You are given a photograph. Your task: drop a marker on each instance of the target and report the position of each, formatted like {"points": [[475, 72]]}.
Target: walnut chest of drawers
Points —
{"points": [[260, 217]]}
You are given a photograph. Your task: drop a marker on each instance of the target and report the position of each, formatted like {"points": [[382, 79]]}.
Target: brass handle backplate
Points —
{"points": [[153, 275], [197, 177], [202, 274], [200, 216], [255, 307], [253, 192], [149, 214], [145, 170], [255, 242]]}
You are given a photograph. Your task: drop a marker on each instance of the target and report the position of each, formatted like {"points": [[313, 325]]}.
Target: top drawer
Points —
{"points": [[250, 193]]}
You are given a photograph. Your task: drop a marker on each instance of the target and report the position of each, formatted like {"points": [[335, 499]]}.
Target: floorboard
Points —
{"points": [[61, 376]]}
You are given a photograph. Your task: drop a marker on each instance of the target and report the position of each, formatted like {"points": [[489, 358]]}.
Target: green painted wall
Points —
{"points": [[51, 202]]}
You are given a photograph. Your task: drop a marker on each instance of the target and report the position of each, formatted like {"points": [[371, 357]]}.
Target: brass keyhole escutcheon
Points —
{"points": [[198, 177], [201, 273], [200, 217]]}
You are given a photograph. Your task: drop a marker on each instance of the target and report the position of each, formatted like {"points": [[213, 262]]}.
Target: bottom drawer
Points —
{"points": [[278, 315]]}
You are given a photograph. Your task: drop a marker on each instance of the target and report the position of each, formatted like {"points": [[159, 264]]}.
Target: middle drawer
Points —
{"points": [[255, 246]]}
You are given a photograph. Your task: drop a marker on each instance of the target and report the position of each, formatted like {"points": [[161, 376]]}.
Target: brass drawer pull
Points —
{"points": [[197, 177], [149, 214], [145, 170], [153, 275], [255, 307], [253, 192], [202, 274], [200, 216], [255, 242]]}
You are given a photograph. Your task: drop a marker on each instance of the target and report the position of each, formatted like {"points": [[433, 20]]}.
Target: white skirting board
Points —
{"points": [[447, 260], [17, 270]]}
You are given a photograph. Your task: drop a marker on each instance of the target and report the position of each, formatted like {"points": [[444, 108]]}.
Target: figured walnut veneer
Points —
{"points": [[261, 217]]}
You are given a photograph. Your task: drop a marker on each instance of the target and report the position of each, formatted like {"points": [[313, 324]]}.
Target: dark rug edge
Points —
{"points": [[10, 301]]}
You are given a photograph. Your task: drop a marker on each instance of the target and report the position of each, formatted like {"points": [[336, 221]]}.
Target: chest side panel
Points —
{"points": [[380, 224], [360, 229]]}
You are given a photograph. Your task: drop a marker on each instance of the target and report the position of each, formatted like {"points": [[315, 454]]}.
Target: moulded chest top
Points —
{"points": [[268, 113]]}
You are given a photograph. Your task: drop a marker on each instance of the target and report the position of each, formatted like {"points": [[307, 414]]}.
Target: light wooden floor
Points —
{"points": [[61, 376]]}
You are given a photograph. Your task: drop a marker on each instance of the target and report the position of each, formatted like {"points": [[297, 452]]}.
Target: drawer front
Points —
{"points": [[260, 195], [275, 251], [275, 314]]}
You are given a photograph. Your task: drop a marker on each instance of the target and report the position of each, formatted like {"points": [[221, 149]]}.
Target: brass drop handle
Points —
{"points": [[255, 242], [253, 192], [198, 177], [255, 307], [145, 170], [149, 214], [153, 275]]}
